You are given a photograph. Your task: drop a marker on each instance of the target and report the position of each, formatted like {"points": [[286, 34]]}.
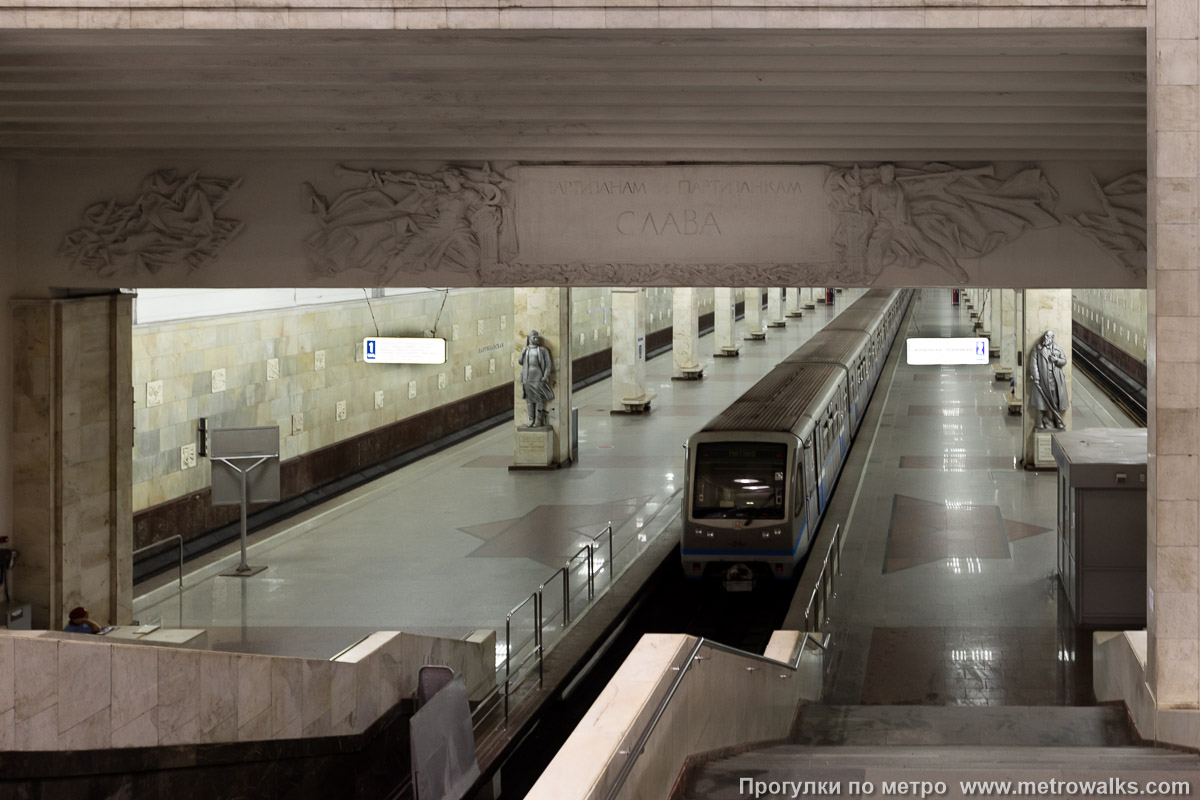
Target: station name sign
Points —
{"points": [[400, 350], [925, 352]]}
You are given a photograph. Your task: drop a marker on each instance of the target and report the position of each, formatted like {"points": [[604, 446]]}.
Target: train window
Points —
{"points": [[740, 480]]}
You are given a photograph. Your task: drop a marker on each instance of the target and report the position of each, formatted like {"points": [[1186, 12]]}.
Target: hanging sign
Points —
{"points": [[398, 350]]}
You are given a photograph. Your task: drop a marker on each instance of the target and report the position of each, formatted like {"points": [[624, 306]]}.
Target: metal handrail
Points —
{"points": [[537, 644], [482, 708], [591, 584], [644, 737], [595, 539], [834, 552], [566, 592], [159, 543]]}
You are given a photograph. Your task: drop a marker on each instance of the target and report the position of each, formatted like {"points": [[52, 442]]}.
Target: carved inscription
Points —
{"points": [[649, 215]]}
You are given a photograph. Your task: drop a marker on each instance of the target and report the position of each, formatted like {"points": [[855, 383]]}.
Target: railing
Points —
{"points": [[159, 544], [639, 747], [513, 670], [831, 566]]}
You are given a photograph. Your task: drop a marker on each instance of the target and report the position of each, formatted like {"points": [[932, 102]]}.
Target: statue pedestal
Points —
{"points": [[1043, 458], [535, 448]]}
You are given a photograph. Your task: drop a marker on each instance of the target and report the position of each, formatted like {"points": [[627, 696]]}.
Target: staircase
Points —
{"points": [[951, 745]]}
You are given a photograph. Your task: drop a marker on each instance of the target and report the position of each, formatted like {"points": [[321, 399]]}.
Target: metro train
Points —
{"points": [[760, 474]]}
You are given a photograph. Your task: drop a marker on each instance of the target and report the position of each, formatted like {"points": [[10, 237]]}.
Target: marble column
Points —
{"points": [[996, 326], [628, 346], [1008, 329], [548, 311], [752, 322], [72, 455], [1045, 310], [1173, 362], [794, 305], [685, 332], [775, 309], [807, 297], [723, 321]]}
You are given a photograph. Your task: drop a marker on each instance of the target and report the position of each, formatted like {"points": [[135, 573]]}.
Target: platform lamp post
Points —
{"points": [[249, 473]]}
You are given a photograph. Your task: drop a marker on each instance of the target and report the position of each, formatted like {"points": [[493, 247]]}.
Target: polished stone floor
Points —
{"points": [[949, 594], [452, 543], [949, 597]]}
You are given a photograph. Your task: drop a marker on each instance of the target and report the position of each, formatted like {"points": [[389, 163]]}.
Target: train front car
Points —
{"points": [[744, 516], [778, 422]]}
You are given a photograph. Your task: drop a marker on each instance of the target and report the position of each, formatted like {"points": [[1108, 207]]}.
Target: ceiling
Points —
{"points": [[595, 96]]}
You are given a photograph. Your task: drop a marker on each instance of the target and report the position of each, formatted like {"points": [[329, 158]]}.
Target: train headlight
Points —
{"points": [[766, 534], [711, 534], [778, 531]]}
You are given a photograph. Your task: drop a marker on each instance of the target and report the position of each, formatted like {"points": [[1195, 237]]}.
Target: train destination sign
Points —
{"points": [[948, 351], [401, 350]]}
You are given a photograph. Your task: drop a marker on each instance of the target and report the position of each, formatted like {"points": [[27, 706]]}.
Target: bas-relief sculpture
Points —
{"points": [[536, 367], [173, 222], [1049, 384], [455, 220], [934, 214], [1121, 229]]}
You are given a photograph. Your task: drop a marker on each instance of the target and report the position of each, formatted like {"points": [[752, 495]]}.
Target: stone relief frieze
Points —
{"points": [[590, 274], [1121, 228], [173, 222], [903, 217], [456, 220]]}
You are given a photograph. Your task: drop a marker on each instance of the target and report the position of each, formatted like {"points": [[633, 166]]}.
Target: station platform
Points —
{"points": [[450, 544], [949, 593], [948, 563]]}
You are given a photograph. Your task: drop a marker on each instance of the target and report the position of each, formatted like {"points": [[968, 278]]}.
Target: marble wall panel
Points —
{"points": [[178, 695], [1173, 326], [287, 683], [218, 693], [36, 684], [134, 713], [84, 684], [723, 319], [253, 688]]}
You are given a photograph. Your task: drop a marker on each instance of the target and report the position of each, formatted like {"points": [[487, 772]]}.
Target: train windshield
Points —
{"points": [[742, 480]]}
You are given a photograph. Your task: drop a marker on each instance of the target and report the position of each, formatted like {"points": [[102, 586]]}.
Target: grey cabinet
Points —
{"points": [[1102, 524]]}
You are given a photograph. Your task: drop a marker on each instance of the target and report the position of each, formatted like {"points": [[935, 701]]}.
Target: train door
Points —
{"points": [[843, 418], [808, 477], [825, 449]]}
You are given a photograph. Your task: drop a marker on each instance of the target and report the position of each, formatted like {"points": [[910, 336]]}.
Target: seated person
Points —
{"points": [[79, 622]]}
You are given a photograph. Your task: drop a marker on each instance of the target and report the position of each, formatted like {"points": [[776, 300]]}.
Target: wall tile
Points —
{"points": [[218, 690], [36, 679], [254, 689], [84, 686], [178, 698]]}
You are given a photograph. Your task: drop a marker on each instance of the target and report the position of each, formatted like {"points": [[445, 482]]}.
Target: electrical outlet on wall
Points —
{"points": [[340, 413], [187, 456]]}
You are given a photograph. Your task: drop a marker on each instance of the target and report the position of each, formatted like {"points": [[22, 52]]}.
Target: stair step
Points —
{"points": [[1092, 726]]}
